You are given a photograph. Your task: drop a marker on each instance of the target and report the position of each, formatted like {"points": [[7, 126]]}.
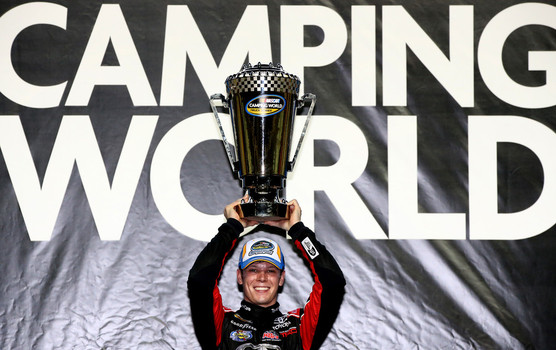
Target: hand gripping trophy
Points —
{"points": [[262, 100]]}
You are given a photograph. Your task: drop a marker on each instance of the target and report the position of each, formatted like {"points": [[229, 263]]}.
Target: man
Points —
{"points": [[259, 324]]}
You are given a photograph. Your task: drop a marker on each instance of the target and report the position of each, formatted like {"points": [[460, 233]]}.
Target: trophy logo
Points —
{"points": [[262, 101]]}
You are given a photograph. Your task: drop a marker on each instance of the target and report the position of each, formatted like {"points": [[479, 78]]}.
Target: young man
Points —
{"points": [[259, 324]]}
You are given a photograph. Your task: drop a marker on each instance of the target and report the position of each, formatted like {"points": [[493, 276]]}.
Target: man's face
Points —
{"points": [[260, 282]]}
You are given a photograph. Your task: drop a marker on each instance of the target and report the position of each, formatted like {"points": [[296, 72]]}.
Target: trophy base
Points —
{"points": [[263, 211]]}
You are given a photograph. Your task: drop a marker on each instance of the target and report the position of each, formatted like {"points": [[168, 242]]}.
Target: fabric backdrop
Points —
{"points": [[427, 170]]}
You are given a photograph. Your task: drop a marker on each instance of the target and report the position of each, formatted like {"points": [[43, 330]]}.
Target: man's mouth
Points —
{"points": [[262, 289]]}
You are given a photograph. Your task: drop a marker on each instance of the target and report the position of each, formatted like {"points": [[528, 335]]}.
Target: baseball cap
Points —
{"points": [[261, 249]]}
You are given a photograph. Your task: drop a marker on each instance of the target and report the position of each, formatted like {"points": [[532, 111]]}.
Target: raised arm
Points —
{"points": [[207, 310], [325, 299]]}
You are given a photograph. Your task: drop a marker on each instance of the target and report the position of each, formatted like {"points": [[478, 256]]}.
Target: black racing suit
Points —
{"points": [[255, 327]]}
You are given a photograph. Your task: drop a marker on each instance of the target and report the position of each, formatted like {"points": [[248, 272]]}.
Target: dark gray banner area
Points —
{"points": [[72, 289]]}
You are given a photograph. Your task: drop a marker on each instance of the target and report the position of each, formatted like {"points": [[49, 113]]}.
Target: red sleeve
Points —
{"points": [[207, 310], [328, 288]]}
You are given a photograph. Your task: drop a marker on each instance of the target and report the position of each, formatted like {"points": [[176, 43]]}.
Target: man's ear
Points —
{"points": [[239, 277], [282, 278]]}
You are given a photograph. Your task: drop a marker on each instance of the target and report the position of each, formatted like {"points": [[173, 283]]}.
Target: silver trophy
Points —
{"points": [[262, 101]]}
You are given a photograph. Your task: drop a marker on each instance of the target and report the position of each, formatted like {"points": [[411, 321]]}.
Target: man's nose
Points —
{"points": [[261, 276]]}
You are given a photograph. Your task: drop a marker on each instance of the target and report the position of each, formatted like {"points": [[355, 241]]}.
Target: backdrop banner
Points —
{"points": [[428, 167]]}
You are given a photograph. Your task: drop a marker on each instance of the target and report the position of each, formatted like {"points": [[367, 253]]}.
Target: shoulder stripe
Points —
{"points": [[295, 313]]}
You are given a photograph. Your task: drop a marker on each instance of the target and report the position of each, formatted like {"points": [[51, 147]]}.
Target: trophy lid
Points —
{"points": [[263, 78], [262, 67]]}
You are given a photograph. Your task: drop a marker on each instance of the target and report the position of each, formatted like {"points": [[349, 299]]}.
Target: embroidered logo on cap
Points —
{"points": [[262, 247]]}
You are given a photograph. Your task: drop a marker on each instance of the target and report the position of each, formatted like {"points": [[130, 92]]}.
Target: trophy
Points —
{"points": [[262, 101]]}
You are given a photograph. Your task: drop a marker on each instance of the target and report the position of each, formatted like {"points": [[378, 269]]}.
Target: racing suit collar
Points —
{"points": [[259, 312]]}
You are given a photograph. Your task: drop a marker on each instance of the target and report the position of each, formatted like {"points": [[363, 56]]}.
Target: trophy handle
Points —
{"points": [[301, 104], [222, 99]]}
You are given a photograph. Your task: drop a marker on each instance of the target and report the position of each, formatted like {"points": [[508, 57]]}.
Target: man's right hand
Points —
{"points": [[230, 212]]}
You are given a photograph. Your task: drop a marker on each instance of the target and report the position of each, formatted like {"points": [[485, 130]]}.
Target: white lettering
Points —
{"points": [[491, 66], [484, 220], [294, 55], [363, 57], [183, 39], [456, 74], [75, 144], [165, 175], [335, 180], [405, 221], [12, 23], [251, 38], [111, 26]]}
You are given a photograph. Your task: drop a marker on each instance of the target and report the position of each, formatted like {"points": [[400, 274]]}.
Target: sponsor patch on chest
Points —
{"points": [[241, 335], [271, 336]]}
